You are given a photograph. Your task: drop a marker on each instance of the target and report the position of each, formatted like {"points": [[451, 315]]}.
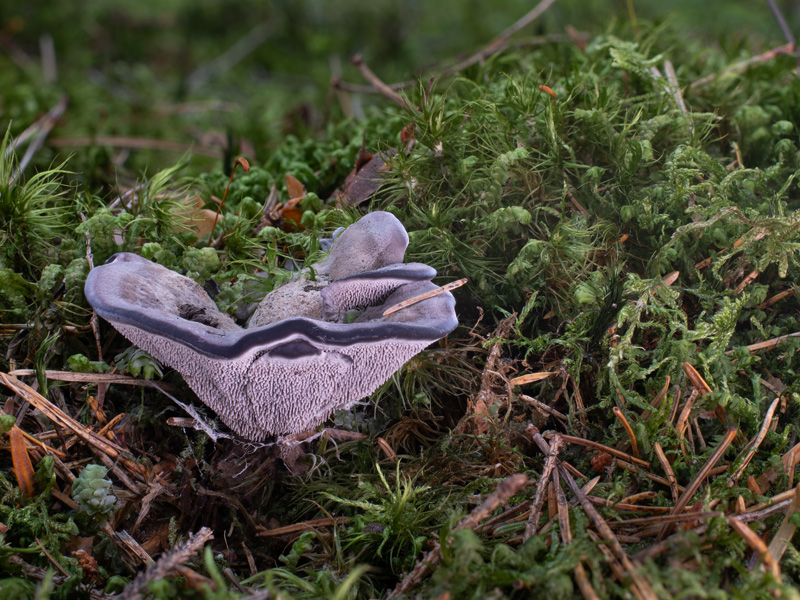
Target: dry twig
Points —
{"points": [[165, 565], [505, 489]]}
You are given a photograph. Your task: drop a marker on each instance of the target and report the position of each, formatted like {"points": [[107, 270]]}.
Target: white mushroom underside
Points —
{"points": [[258, 395]]}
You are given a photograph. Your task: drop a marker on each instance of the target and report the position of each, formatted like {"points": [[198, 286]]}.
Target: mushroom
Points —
{"points": [[300, 360]]}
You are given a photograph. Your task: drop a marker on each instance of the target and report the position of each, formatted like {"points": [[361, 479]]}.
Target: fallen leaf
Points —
{"points": [[530, 378], [362, 182], [296, 190]]}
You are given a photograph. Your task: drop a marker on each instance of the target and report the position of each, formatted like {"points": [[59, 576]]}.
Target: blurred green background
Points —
{"points": [[245, 74]]}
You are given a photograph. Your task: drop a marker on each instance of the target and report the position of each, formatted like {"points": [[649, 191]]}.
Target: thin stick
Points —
{"points": [[616, 565], [377, 83], [787, 32], [231, 57], [562, 509], [640, 585], [740, 66], [136, 143], [166, 564], [675, 87], [41, 129], [553, 38], [539, 405], [501, 494], [538, 499], [420, 297], [767, 344], [628, 429], [88, 377], [694, 485], [585, 586], [501, 40]]}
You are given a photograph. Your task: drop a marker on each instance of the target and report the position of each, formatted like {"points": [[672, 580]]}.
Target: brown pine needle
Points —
{"points": [[661, 519], [697, 380], [673, 482], [656, 403], [776, 298], [628, 429], [694, 485], [618, 558], [683, 420], [411, 301], [504, 490], [102, 446], [747, 281], [758, 546], [767, 344], [304, 526], [785, 532], [612, 451]]}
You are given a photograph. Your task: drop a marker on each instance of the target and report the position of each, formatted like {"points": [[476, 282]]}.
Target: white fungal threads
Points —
{"points": [[299, 360]]}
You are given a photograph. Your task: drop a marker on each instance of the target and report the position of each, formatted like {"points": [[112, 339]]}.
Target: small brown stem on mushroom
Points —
{"points": [[411, 301]]}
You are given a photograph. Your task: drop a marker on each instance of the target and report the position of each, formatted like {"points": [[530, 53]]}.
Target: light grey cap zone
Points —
{"points": [[290, 375]]}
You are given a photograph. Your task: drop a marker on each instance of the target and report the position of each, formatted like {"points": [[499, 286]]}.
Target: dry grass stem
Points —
{"points": [[165, 565]]}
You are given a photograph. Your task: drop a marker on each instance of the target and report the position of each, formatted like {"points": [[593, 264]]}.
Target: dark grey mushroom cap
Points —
{"points": [[131, 290], [377, 239], [284, 377]]}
